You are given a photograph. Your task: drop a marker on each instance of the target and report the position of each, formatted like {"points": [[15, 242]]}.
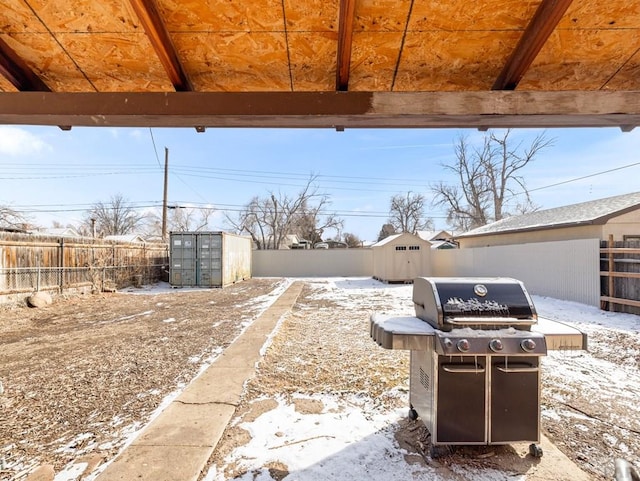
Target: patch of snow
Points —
{"points": [[71, 472]]}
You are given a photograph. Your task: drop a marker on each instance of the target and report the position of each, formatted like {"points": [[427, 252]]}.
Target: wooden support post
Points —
{"points": [[611, 270]]}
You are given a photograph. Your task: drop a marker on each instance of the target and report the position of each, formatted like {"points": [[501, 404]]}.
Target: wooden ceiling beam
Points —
{"points": [[151, 20], [345, 41], [467, 109], [16, 71], [538, 30]]}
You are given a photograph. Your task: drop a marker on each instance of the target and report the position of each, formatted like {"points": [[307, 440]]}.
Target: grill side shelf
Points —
{"points": [[560, 336], [406, 333]]}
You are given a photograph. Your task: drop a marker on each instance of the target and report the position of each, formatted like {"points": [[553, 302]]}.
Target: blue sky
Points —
{"points": [[55, 175]]}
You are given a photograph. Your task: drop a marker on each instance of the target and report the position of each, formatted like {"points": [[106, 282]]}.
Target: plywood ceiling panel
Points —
{"points": [[235, 61], [216, 16], [313, 61], [489, 15], [117, 62], [17, 17], [628, 77], [572, 59], [66, 16], [312, 15], [381, 15], [49, 61], [374, 60], [612, 14], [6, 86], [449, 61]]}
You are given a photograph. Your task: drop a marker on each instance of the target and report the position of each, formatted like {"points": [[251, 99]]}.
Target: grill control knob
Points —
{"points": [[496, 345], [528, 345], [463, 345], [448, 343]]}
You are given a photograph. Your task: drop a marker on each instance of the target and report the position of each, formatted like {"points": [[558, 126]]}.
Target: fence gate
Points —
{"points": [[620, 276]]}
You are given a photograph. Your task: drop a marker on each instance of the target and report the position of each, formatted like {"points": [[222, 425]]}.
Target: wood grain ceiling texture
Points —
{"points": [[335, 49], [595, 46], [288, 45], [460, 45]]}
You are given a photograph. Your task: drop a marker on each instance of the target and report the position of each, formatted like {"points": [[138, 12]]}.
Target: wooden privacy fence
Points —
{"points": [[30, 262], [620, 276]]}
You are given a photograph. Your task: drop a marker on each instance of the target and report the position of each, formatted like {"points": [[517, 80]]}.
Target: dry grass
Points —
{"points": [[82, 373]]}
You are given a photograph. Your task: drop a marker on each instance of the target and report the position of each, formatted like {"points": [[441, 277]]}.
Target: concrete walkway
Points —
{"points": [[176, 445]]}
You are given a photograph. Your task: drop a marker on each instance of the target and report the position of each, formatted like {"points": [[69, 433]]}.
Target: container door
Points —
{"points": [[515, 399], [461, 400], [209, 259], [182, 270]]}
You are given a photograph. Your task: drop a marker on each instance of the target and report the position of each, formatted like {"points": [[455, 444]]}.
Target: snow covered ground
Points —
{"points": [[590, 404], [353, 437]]}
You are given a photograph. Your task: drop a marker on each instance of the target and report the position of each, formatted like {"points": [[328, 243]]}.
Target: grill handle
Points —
{"points": [[463, 368], [517, 368], [499, 321]]}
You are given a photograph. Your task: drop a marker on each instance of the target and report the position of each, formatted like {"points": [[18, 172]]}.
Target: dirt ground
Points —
{"points": [[78, 375]]}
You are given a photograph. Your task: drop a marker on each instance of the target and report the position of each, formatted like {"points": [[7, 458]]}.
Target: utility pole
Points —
{"points": [[164, 197]]}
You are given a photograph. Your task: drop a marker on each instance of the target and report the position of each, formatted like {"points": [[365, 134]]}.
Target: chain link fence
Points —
{"points": [[60, 279]]}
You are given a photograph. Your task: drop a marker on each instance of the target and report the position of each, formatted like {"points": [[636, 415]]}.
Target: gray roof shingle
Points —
{"points": [[592, 212]]}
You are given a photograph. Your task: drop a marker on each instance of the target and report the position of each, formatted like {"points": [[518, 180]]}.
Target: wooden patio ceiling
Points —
{"points": [[320, 63]]}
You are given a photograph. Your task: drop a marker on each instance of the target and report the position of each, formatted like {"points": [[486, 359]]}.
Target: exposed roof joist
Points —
{"points": [[345, 39], [538, 30], [151, 20], [492, 109], [16, 71]]}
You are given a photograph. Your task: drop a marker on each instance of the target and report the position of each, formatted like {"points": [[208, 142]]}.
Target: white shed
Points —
{"points": [[401, 258]]}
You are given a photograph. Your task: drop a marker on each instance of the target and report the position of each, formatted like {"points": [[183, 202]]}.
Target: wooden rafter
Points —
{"points": [[345, 39], [489, 109], [149, 15], [538, 30], [16, 71]]}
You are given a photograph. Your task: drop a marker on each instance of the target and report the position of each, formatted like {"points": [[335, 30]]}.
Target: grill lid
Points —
{"points": [[445, 302]]}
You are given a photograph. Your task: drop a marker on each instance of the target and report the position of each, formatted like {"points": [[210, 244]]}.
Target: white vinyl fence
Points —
{"points": [[312, 263], [568, 270]]}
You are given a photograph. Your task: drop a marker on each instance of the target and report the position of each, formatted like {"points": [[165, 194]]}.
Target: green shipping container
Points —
{"points": [[208, 259]]}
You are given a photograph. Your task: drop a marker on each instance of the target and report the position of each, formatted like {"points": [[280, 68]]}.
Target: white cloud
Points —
{"points": [[17, 141]]}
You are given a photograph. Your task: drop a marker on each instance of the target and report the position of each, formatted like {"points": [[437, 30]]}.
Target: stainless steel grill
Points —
{"points": [[475, 349]]}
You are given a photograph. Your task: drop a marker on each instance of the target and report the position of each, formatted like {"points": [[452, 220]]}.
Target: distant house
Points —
{"points": [[435, 235], [618, 216], [130, 238], [401, 258], [443, 244], [439, 239], [60, 232]]}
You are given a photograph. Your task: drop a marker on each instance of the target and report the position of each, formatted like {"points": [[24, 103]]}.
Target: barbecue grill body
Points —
{"points": [[478, 380], [476, 399]]}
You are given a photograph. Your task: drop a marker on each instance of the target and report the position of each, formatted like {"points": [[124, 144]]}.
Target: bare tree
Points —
{"points": [[386, 231], [488, 178], [268, 220], [352, 240], [407, 213], [117, 217], [11, 218], [189, 219]]}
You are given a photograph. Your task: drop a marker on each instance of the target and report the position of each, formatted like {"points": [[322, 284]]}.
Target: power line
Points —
{"points": [[585, 177], [153, 141]]}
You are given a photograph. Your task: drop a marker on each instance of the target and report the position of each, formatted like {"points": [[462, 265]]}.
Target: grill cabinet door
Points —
{"points": [[461, 413], [515, 399]]}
